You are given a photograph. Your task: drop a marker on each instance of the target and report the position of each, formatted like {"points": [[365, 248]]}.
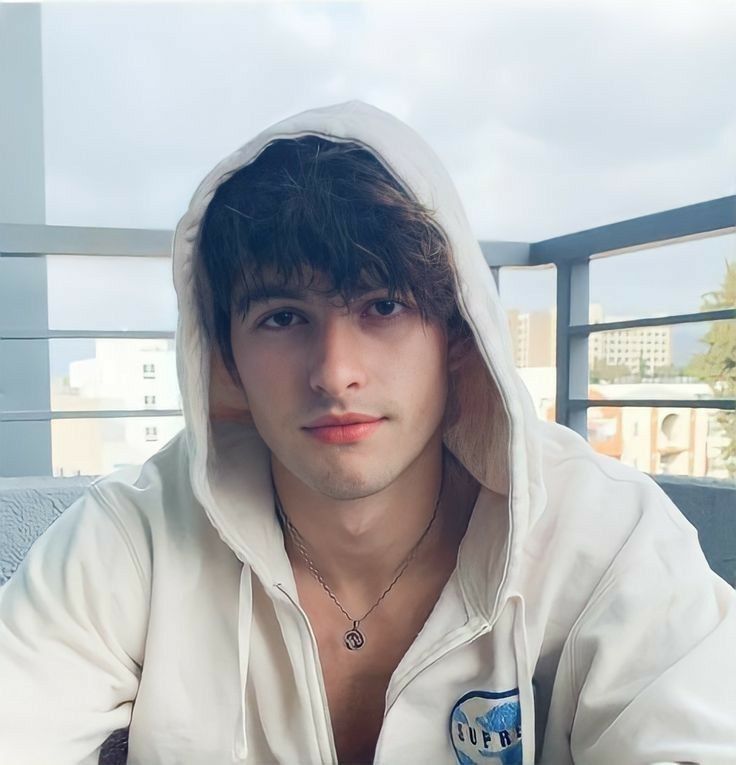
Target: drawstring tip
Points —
{"points": [[240, 745]]}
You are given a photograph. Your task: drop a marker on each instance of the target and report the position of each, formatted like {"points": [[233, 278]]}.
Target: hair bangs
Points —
{"points": [[311, 209], [305, 259]]}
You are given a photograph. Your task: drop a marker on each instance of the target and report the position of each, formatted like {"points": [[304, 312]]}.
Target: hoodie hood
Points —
{"points": [[495, 431]]}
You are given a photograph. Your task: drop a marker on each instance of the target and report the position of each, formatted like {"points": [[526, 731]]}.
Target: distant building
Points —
{"points": [[644, 349], [668, 440], [123, 375], [656, 440], [533, 337]]}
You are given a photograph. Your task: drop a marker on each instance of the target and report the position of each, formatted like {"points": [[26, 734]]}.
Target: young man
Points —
{"points": [[364, 547]]}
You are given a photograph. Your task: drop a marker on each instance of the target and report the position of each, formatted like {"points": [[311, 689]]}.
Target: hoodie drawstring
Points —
{"points": [[524, 678], [245, 620]]}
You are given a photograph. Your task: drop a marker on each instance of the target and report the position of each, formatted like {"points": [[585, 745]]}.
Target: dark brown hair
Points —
{"points": [[307, 207]]}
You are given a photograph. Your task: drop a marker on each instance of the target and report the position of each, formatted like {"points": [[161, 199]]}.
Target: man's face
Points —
{"points": [[304, 356]]}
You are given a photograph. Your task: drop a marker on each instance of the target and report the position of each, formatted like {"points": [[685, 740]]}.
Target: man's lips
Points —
{"points": [[349, 418], [344, 428]]}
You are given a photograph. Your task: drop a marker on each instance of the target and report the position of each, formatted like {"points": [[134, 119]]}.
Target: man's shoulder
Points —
{"points": [[165, 471], [156, 497], [606, 528], [581, 481], [598, 508]]}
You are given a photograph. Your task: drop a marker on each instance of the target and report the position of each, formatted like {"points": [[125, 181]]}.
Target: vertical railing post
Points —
{"points": [[25, 447], [22, 191], [572, 351]]}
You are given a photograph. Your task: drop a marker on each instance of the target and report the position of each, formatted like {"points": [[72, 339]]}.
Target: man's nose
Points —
{"points": [[336, 358]]}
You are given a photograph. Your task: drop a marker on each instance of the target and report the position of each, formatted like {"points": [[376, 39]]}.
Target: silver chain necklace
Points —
{"points": [[353, 638]]}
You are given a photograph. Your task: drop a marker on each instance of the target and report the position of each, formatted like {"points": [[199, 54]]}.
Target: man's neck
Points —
{"points": [[359, 545]]}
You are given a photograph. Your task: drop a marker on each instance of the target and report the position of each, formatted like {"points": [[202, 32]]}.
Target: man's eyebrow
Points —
{"points": [[265, 292], [244, 300]]}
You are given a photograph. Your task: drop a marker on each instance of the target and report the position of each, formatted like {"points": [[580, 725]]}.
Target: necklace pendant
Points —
{"points": [[354, 638]]}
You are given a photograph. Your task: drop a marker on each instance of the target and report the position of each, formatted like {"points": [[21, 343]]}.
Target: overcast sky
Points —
{"points": [[552, 117]]}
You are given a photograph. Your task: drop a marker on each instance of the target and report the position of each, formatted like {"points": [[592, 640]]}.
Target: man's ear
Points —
{"points": [[459, 349], [227, 397]]}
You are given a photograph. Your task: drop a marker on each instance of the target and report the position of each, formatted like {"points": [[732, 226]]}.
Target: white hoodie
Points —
{"points": [[582, 623]]}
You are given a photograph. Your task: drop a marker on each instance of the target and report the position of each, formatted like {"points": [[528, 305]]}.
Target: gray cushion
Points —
{"points": [[27, 507]]}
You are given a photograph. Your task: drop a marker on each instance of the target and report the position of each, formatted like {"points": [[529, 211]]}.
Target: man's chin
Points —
{"points": [[347, 482], [349, 487]]}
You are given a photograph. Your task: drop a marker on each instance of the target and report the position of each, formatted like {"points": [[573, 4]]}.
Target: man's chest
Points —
{"points": [[356, 703], [356, 681]]}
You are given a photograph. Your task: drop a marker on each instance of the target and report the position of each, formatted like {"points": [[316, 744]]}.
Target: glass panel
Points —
{"points": [[110, 293], [667, 440], [105, 374], [529, 296], [659, 281], [98, 446]]}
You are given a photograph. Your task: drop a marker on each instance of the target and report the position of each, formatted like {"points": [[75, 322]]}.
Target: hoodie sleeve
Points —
{"points": [[652, 659], [72, 626]]}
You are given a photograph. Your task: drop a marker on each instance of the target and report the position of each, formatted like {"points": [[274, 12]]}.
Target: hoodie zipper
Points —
{"points": [[325, 735], [461, 640]]}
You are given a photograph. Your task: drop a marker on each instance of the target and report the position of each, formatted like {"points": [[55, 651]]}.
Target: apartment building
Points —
{"points": [[123, 375]]}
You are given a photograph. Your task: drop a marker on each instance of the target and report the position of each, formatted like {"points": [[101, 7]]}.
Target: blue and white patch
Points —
{"points": [[485, 728]]}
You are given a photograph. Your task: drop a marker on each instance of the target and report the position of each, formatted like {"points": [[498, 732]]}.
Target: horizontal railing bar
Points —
{"points": [[702, 218], [79, 334], [653, 321], [726, 404], [43, 415], [38, 239], [504, 254]]}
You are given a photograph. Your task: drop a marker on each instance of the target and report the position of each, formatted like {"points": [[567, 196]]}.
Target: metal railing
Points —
{"points": [[571, 254], [25, 405], [25, 432]]}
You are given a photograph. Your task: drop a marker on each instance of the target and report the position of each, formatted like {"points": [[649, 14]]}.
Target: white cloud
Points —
{"points": [[551, 116]]}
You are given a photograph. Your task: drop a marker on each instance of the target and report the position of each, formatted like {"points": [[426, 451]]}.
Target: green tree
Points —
{"points": [[717, 364], [643, 366]]}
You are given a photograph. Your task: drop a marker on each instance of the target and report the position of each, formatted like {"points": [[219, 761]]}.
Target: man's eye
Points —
{"points": [[387, 307], [280, 319]]}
